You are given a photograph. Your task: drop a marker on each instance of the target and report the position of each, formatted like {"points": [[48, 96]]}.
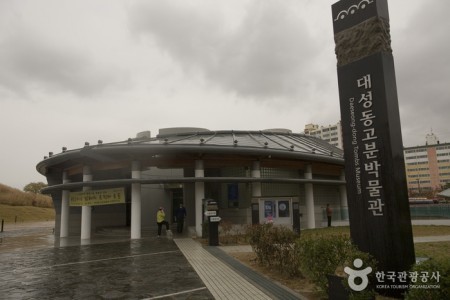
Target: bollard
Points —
{"points": [[3, 221]]}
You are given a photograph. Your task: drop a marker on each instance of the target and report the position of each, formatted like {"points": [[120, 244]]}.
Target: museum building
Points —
{"points": [[252, 175]]}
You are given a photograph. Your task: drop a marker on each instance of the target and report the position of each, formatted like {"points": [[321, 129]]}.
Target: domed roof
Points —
{"points": [[277, 143], [267, 139]]}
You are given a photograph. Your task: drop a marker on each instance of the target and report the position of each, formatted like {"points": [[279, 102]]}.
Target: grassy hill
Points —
{"points": [[15, 197], [19, 214], [19, 206]]}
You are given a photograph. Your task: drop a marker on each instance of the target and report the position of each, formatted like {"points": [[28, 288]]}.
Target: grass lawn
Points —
{"points": [[430, 230], [418, 230], [434, 250], [21, 214]]}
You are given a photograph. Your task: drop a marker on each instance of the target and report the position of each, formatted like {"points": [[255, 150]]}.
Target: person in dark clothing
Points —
{"points": [[180, 215], [329, 214]]}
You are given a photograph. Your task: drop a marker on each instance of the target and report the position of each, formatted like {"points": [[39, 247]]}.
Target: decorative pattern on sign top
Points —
{"points": [[362, 40], [352, 9]]}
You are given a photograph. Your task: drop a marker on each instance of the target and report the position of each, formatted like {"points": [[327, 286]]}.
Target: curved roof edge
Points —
{"points": [[122, 182], [136, 149], [275, 143]]}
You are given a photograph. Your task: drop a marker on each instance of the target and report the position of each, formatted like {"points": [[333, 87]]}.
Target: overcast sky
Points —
{"points": [[76, 71]]}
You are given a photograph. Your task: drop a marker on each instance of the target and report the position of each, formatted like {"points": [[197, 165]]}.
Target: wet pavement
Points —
{"points": [[26, 235], [35, 265], [148, 268]]}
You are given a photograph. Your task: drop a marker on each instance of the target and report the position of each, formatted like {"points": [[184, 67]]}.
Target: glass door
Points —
{"points": [[277, 211]]}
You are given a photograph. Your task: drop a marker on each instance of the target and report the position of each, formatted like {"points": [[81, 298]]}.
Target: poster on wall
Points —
{"points": [[233, 195], [283, 209], [269, 208]]}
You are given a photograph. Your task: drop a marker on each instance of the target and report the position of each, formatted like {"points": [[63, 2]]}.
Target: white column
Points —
{"points": [[343, 193], [256, 191], [256, 173], [64, 224], [86, 211], [310, 215], [199, 196], [135, 201]]}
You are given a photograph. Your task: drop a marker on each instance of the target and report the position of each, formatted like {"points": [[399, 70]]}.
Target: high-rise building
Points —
{"points": [[331, 133], [427, 166]]}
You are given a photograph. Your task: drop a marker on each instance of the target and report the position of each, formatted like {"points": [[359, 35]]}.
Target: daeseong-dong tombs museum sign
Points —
{"points": [[377, 194]]}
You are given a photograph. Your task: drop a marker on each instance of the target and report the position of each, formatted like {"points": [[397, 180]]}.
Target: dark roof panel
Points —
{"points": [[280, 143]]}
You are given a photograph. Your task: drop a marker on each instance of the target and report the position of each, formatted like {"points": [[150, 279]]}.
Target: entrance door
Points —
{"points": [[278, 211], [177, 199]]}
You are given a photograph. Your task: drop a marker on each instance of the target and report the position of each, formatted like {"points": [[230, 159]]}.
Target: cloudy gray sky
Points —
{"points": [[76, 71]]}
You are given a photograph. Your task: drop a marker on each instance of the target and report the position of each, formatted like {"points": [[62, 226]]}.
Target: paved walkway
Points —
{"points": [[431, 239], [118, 268], [221, 280], [35, 266], [149, 268], [226, 278]]}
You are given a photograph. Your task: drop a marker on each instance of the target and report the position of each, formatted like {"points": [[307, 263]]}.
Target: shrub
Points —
{"points": [[321, 256], [313, 256], [352, 254], [428, 267], [274, 247], [259, 240], [324, 255], [226, 235]]}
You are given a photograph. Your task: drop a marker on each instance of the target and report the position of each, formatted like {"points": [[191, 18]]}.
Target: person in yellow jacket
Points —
{"points": [[161, 220]]}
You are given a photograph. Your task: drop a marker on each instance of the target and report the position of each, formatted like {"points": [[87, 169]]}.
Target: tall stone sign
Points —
{"points": [[380, 221]]}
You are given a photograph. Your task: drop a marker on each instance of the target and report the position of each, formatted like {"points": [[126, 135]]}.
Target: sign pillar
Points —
{"points": [[212, 211], [379, 215]]}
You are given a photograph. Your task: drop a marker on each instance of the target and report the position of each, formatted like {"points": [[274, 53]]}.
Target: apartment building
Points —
{"points": [[427, 166], [331, 133]]}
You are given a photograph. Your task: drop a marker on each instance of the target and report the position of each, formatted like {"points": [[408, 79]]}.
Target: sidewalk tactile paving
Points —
{"points": [[220, 279]]}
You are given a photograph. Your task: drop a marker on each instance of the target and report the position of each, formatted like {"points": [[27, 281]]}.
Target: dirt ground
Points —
{"points": [[300, 285]]}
